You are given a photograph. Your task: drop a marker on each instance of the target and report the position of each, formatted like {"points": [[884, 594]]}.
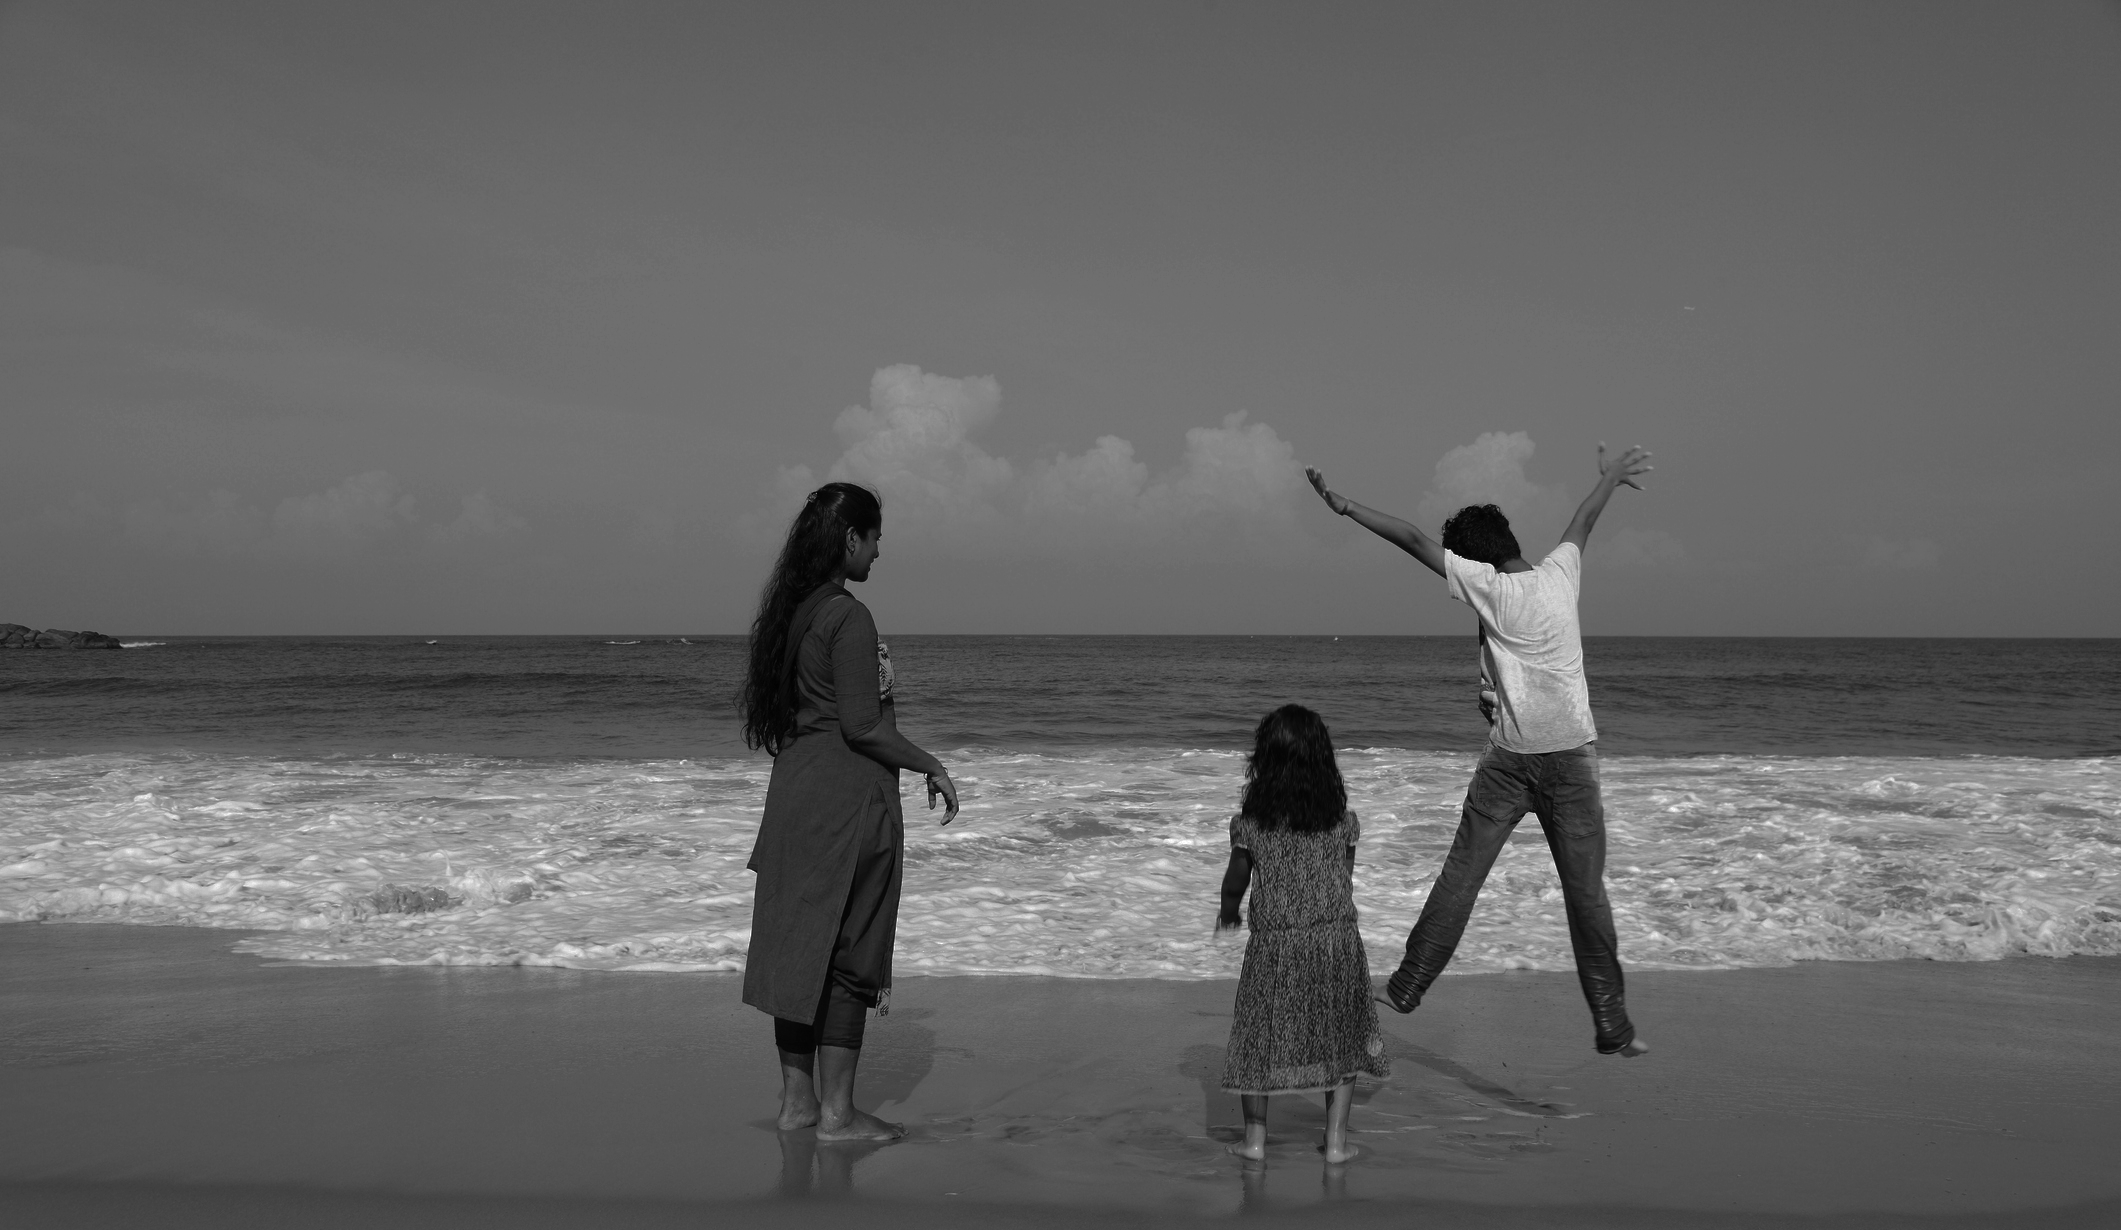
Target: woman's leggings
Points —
{"points": [[841, 1017]]}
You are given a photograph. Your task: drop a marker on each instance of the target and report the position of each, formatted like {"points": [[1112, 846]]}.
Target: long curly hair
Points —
{"points": [[817, 542], [1292, 780]]}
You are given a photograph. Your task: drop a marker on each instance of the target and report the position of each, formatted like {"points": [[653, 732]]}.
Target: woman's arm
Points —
{"points": [[1235, 880], [868, 724], [884, 744]]}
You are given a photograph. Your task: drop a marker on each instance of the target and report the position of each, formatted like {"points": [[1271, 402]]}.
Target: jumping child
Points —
{"points": [[1542, 754], [1305, 1021]]}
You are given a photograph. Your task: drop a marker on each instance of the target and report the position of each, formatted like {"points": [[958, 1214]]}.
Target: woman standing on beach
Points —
{"points": [[818, 699]]}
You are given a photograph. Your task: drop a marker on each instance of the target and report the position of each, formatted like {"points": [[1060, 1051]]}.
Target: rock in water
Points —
{"points": [[15, 636]]}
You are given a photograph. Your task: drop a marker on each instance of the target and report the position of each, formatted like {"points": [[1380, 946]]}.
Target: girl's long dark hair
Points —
{"points": [[817, 542], [1292, 780]]}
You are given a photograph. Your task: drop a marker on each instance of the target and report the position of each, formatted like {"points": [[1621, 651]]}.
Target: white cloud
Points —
{"points": [[358, 511], [1490, 470], [913, 443], [1903, 555], [479, 519], [1237, 486]]}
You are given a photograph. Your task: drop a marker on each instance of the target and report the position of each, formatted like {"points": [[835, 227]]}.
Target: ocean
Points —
{"points": [[587, 802]]}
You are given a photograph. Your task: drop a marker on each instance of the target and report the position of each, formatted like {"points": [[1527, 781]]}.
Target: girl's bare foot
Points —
{"points": [[861, 1125], [1254, 1146], [1344, 1152]]}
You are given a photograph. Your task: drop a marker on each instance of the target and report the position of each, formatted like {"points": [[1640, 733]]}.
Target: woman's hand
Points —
{"points": [[1228, 920], [939, 783]]}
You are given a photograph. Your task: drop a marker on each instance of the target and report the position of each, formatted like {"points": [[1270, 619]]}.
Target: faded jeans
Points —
{"points": [[1561, 788]]}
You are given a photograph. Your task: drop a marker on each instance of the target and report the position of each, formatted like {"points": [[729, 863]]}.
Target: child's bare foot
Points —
{"points": [[861, 1125], [1632, 1049], [1249, 1151], [1336, 1154]]}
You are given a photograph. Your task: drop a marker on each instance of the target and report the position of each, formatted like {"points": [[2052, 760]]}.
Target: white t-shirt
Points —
{"points": [[1531, 649]]}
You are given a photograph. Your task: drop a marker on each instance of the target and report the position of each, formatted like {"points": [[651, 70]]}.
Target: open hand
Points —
{"points": [[939, 783], [1338, 503], [1624, 469]]}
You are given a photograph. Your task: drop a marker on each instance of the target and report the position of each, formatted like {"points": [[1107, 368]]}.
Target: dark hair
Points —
{"points": [[1292, 781], [816, 544], [1480, 532]]}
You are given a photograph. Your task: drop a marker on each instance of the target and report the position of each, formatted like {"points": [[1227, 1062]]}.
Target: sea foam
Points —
{"points": [[1090, 864]]}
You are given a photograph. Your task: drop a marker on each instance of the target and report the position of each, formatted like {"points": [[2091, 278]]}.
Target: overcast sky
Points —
{"points": [[447, 317]]}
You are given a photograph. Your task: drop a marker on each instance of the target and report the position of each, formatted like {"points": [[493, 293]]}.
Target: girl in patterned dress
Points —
{"points": [[1305, 1021]]}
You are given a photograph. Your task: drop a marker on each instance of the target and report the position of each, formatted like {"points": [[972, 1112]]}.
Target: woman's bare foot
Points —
{"points": [[1249, 1151], [799, 1106], [1632, 1049], [1335, 1155], [860, 1125]]}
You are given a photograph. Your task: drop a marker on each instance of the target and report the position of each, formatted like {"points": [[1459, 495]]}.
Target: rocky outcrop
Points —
{"points": [[15, 636]]}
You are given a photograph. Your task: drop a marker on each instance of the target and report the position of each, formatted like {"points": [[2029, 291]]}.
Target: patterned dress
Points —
{"points": [[1305, 1021]]}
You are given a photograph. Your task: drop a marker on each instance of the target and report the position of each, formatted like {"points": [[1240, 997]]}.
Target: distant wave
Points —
{"points": [[565, 697], [140, 644]]}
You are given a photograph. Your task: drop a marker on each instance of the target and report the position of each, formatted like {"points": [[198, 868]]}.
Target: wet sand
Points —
{"points": [[153, 1077]]}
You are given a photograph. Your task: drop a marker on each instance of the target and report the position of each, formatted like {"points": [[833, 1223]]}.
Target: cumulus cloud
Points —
{"points": [[913, 441], [365, 511], [1236, 487], [360, 510], [1490, 470], [479, 519]]}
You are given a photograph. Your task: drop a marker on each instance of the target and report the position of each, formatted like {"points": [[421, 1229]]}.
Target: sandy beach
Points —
{"points": [[155, 1077]]}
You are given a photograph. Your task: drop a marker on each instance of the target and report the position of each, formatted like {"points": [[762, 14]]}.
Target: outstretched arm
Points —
{"points": [[1402, 534], [1611, 476]]}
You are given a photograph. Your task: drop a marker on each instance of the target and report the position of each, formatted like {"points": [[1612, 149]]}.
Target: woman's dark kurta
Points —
{"points": [[826, 805]]}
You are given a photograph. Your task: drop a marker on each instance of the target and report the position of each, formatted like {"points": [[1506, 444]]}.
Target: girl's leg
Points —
{"points": [[1254, 1146], [1337, 1103]]}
